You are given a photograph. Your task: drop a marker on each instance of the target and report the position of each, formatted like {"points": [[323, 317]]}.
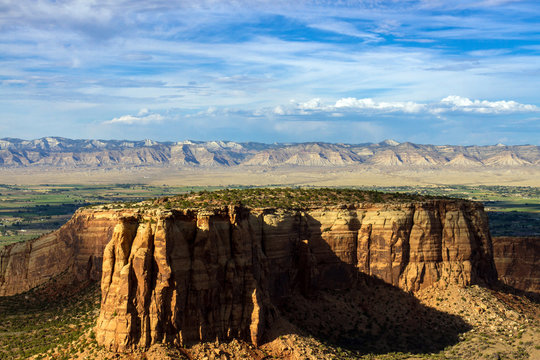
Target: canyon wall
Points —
{"points": [[518, 262], [76, 249], [184, 276]]}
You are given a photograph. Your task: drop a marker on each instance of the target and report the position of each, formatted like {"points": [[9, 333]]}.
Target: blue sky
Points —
{"points": [[441, 72]]}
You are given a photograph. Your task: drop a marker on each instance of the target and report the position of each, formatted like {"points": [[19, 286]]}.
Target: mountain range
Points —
{"points": [[62, 152]]}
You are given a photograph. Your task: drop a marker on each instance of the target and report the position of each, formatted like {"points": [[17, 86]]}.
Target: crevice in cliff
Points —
{"points": [[27, 259], [406, 244], [5, 256], [169, 286], [260, 219]]}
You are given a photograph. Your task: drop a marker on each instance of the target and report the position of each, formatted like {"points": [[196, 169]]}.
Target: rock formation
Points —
{"points": [[518, 262], [76, 248], [188, 275], [183, 276]]}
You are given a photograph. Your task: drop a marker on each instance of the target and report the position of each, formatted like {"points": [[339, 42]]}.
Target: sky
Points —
{"points": [[426, 71]]}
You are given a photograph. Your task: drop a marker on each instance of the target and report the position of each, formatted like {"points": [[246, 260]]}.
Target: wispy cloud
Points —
{"points": [[359, 58], [144, 117], [345, 28]]}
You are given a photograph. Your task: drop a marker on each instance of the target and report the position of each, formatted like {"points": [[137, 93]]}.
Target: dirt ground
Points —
{"points": [[328, 176]]}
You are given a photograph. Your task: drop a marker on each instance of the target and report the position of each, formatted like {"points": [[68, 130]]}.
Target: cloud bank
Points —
{"points": [[449, 104]]}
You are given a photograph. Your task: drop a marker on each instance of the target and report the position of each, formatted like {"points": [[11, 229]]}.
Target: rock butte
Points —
{"points": [[189, 276], [184, 276]]}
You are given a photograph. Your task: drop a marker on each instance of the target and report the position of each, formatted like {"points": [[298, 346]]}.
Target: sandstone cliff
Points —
{"points": [[518, 262], [184, 276], [76, 249]]}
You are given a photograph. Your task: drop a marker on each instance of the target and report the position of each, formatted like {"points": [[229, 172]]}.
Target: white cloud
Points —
{"points": [[458, 103], [278, 110], [368, 105], [143, 117], [313, 104]]}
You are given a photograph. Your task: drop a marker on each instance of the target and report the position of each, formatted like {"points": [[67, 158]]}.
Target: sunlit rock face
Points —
{"points": [[75, 250], [183, 276]]}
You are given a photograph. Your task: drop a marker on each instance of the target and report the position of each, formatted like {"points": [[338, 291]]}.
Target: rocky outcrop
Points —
{"points": [[76, 249], [183, 276], [518, 262]]}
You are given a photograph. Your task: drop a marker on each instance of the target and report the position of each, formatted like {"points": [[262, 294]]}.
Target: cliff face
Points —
{"points": [[76, 248], [518, 262], [188, 276]]}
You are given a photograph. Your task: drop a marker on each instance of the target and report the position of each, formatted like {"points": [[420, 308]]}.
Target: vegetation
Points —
{"points": [[27, 212], [32, 323], [285, 198]]}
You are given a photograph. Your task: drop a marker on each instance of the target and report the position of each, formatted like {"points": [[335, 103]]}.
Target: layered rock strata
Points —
{"points": [[76, 249], [183, 276], [518, 262]]}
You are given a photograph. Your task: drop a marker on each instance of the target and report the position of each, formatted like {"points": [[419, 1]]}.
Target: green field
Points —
{"points": [[29, 211]]}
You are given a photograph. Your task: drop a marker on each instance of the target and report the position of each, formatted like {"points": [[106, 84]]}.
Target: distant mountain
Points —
{"points": [[62, 152]]}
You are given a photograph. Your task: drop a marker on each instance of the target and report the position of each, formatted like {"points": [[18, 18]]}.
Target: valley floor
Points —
{"points": [[282, 176]]}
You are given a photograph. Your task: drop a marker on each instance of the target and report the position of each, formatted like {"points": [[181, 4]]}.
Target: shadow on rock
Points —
{"points": [[373, 317], [340, 306]]}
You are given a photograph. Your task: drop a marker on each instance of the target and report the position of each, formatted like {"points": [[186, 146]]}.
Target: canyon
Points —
{"points": [[75, 250], [183, 276]]}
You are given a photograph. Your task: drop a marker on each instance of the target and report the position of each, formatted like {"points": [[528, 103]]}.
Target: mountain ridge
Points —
{"points": [[94, 153]]}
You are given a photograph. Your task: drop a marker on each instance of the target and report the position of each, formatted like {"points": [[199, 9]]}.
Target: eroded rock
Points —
{"points": [[518, 262], [185, 276]]}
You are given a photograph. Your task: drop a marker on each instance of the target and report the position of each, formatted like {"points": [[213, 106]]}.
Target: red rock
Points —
{"points": [[218, 274], [184, 276], [518, 262]]}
